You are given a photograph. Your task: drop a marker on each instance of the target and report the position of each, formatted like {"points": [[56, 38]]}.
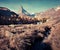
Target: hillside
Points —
{"points": [[42, 36]]}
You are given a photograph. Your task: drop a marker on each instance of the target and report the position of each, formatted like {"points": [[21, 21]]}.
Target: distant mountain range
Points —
{"points": [[9, 17], [49, 13]]}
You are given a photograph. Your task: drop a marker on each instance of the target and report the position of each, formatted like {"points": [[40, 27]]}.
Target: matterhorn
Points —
{"points": [[23, 12]]}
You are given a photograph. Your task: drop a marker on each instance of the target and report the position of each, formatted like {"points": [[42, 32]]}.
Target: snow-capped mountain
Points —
{"points": [[22, 11]]}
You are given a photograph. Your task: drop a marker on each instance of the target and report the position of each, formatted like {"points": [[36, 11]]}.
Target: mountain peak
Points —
{"points": [[23, 11]]}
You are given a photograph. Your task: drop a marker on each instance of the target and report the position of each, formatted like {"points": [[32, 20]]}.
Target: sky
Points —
{"points": [[32, 6]]}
